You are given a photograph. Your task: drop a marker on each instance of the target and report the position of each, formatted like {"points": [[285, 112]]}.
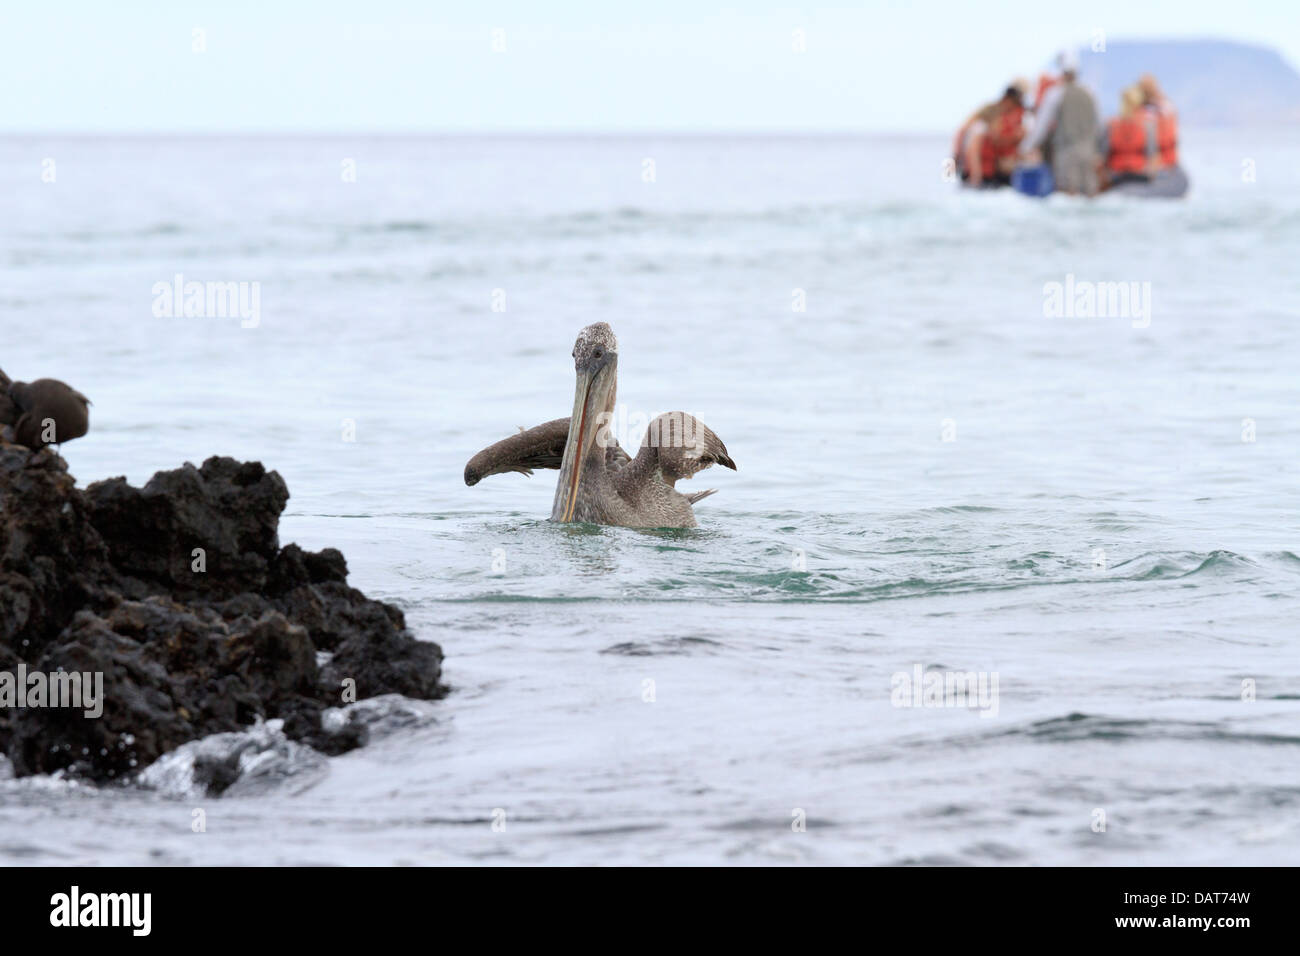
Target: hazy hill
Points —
{"points": [[1212, 82]]}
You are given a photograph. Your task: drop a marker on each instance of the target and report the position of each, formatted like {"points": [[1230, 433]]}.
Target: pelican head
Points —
{"points": [[595, 359]]}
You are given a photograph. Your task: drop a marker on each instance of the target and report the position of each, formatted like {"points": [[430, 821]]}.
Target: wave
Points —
{"points": [[1154, 566], [1075, 726], [901, 573], [666, 646]]}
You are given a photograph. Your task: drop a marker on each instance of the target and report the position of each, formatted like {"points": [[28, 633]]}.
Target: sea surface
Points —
{"points": [[1098, 516]]}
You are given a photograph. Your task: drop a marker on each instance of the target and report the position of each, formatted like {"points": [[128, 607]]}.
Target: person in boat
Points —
{"points": [[1067, 121], [986, 145], [1044, 86], [1166, 118], [1047, 92], [1129, 142], [1162, 176]]}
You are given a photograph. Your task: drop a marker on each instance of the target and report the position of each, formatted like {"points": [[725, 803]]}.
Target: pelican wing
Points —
{"points": [[539, 447], [681, 445]]}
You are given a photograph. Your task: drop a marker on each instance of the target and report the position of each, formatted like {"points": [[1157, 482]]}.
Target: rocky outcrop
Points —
{"points": [[179, 594]]}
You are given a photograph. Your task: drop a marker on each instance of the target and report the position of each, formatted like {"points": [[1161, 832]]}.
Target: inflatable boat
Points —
{"points": [[1169, 183]]}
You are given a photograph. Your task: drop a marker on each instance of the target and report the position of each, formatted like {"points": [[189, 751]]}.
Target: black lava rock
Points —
{"points": [[180, 595]]}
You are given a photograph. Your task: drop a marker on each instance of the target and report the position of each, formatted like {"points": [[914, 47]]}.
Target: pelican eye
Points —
{"points": [[597, 354]]}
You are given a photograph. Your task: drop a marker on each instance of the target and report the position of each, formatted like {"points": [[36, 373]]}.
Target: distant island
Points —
{"points": [[1212, 82]]}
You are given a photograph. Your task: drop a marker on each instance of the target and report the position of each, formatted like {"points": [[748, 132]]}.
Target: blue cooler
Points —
{"points": [[1033, 180]]}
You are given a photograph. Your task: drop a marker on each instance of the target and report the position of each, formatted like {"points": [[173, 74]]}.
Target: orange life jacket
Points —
{"points": [[1167, 135], [1127, 137], [1003, 137]]}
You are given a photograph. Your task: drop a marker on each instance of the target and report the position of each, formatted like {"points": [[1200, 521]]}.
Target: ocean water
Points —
{"points": [[1098, 513]]}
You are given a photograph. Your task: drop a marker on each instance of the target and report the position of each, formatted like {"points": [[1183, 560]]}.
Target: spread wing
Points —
{"points": [[539, 447], [680, 445]]}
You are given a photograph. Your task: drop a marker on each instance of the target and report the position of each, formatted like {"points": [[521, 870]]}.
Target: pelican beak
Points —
{"points": [[590, 398]]}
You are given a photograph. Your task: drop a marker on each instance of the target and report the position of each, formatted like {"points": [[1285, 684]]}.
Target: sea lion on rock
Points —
{"points": [[43, 412]]}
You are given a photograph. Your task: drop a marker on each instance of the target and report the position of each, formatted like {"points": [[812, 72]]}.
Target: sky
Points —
{"points": [[398, 66]]}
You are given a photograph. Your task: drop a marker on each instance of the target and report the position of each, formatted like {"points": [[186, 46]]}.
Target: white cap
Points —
{"points": [[1068, 61]]}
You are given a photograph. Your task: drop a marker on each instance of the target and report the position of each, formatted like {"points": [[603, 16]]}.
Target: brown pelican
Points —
{"points": [[599, 482]]}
